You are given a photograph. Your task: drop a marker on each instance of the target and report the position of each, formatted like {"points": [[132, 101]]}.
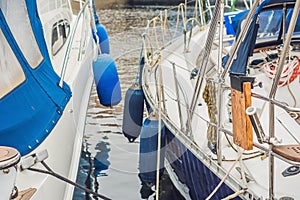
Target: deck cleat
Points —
{"points": [[9, 158]]}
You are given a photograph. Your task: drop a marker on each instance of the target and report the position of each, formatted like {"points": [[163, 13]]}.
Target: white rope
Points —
{"points": [[226, 175], [288, 70], [234, 195]]}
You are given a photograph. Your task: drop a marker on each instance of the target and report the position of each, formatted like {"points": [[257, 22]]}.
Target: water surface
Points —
{"points": [[109, 163]]}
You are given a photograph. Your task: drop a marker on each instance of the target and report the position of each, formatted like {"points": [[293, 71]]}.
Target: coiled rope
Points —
{"points": [[209, 96], [289, 74]]}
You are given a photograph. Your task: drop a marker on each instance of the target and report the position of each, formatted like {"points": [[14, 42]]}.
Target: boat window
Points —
{"points": [[11, 72], [289, 17], [20, 27], [60, 33], [270, 24]]}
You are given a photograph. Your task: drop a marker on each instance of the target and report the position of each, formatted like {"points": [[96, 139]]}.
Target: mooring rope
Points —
{"points": [[49, 171], [226, 175]]}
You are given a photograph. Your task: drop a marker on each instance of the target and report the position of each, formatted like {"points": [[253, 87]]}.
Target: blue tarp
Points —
{"points": [[247, 46], [30, 111]]}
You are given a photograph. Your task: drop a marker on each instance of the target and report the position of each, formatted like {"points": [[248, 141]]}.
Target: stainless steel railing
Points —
{"points": [[86, 5]]}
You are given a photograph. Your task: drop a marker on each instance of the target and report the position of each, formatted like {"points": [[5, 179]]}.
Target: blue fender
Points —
{"points": [[107, 80]]}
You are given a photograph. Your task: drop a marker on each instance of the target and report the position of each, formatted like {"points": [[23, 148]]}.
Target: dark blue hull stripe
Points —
{"points": [[200, 180]]}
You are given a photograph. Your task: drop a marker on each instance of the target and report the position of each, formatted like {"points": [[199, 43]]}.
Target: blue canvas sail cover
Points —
{"points": [[31, 102], [269, 23]]}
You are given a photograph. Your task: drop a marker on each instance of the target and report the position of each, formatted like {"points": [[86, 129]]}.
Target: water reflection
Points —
{"points": [[101, 159], [92, 167]]}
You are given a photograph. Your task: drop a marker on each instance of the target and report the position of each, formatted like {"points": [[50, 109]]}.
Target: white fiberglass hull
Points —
{"points": [[194, 147]]}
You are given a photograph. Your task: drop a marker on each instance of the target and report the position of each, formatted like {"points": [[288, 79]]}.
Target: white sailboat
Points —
{"points": [[229, 102]]}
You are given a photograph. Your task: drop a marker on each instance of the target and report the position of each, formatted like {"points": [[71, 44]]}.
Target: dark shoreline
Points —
{"points": [[100, 4], [106, 4]]}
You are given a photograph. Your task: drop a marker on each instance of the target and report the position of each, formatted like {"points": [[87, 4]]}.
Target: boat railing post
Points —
{"points": [[198, 6], [188, 125], [273, 93], [271, 157], [164, 108], [202, 12], [178, 88], [220, 82], [283, 22], [183, 13], [159, 85], [178, 98], [209, 9]]}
